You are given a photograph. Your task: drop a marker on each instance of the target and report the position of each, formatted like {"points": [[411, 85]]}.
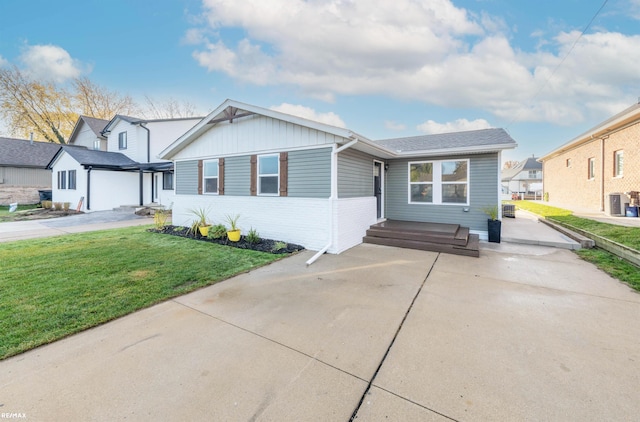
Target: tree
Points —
{"points": [[38, 107], [51, 111], [510, 164], [95, 101], [168, 109]]}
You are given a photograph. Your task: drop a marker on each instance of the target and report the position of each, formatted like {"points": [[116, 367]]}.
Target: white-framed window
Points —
{"points": [[210, 170], [122, 140], [72, 179], [592, 168], [421, 183], [533, 174], [97, 145], [439, 182], [268, 174], [618, 163]]}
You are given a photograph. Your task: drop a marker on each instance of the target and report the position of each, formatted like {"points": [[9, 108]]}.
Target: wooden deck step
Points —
{"points": [[448, 238]]}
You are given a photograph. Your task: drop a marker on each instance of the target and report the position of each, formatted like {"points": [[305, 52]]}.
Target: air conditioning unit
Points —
{"points": [[616, 204]]}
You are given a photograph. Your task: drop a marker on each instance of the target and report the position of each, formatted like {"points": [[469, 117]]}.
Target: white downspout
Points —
{"points": [[332, 198]]}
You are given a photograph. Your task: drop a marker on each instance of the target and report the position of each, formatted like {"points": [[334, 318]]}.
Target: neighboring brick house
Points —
{"points": [[582, 173], [23, 169]]}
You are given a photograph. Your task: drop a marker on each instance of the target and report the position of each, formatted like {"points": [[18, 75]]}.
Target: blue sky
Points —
{"points": [[383, 69]]}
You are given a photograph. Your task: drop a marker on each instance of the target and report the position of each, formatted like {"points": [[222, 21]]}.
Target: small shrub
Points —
{"points": [[66, 205], [47, 205], [279, 245], [217, 232], [57, 206], [160, 218], [253, 236]]}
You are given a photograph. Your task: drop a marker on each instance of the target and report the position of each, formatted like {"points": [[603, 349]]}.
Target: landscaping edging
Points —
{"points": [[615, 248]]}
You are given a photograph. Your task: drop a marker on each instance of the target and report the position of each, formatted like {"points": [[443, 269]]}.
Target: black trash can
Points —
{"points": [[45, 195]]}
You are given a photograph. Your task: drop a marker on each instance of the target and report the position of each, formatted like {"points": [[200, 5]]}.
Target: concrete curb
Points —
{"points": [[585, 242]]}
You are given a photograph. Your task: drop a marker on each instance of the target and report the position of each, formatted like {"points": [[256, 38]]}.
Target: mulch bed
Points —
{"points": [[265, 245]]}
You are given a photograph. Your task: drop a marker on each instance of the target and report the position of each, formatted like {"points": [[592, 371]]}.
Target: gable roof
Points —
{"points": [[473, 141], [231, 110], [136, 120], [24, 153], [480, 141], [107, 160], [530, 163], [94, 158], [96, 126], [618, 122]]}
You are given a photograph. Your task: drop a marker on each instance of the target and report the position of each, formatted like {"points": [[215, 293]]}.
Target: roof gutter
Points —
{"points": [[334, 195]]}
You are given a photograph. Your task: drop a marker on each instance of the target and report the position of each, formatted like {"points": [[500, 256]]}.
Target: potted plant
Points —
{"points": [[493, 224], [200, 224], [233, 234]]}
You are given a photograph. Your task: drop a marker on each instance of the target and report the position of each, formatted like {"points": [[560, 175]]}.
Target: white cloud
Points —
{"points": [[431, 51], [51, 62], [3, 61], [459, 125], [392, 125], [329, 118]]}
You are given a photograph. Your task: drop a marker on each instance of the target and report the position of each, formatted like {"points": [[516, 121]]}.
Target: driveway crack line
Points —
{"points": [[393, 340], [271, 340]]}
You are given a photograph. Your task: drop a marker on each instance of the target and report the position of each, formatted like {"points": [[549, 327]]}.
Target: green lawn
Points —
{"points": [[51, 288]]}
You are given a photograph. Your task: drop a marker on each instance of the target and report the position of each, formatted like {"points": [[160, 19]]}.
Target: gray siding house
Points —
{"points": [[323, 186], [23, 169]]}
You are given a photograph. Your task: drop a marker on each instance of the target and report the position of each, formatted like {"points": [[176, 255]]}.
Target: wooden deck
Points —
{"points": [[435, 237]]}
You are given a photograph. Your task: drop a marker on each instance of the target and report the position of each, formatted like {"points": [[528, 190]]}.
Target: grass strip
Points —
{"points": [[51, 288], [613, 265]]}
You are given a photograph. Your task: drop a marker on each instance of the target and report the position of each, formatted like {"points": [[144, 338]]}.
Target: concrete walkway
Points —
{"points": [[521, 333], [526, 229]]}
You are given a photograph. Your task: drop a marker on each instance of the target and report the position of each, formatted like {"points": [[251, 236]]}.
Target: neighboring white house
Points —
{"points": [[322, 186], [523, 179], [127, 173], [88, 133]]}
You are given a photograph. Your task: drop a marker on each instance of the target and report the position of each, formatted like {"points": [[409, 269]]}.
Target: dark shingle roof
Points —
{"points": [[23, 153], [455, 140], [91, 157], [530, 163], [96, 125]]}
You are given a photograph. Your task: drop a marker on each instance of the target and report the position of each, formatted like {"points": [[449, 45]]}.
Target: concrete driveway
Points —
{"points": [[98, 220], [378, 333]]}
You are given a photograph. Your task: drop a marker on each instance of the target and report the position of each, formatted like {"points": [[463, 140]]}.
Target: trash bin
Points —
{"points": [[509, 210], [45, 195], [631, 211]]}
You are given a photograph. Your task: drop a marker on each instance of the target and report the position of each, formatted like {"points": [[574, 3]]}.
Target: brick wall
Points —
{"points": [[569, 185]]}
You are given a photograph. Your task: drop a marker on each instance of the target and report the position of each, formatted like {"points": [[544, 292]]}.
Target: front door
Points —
{"points": [[377, 187]]}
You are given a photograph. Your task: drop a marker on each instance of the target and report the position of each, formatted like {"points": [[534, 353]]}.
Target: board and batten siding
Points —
{"points": [[186, 173], [254, 135], [482, 190], [310, 173], [355, 174]]}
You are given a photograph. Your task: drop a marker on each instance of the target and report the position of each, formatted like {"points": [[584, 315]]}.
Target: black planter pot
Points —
{"points": [[495, 227]]}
